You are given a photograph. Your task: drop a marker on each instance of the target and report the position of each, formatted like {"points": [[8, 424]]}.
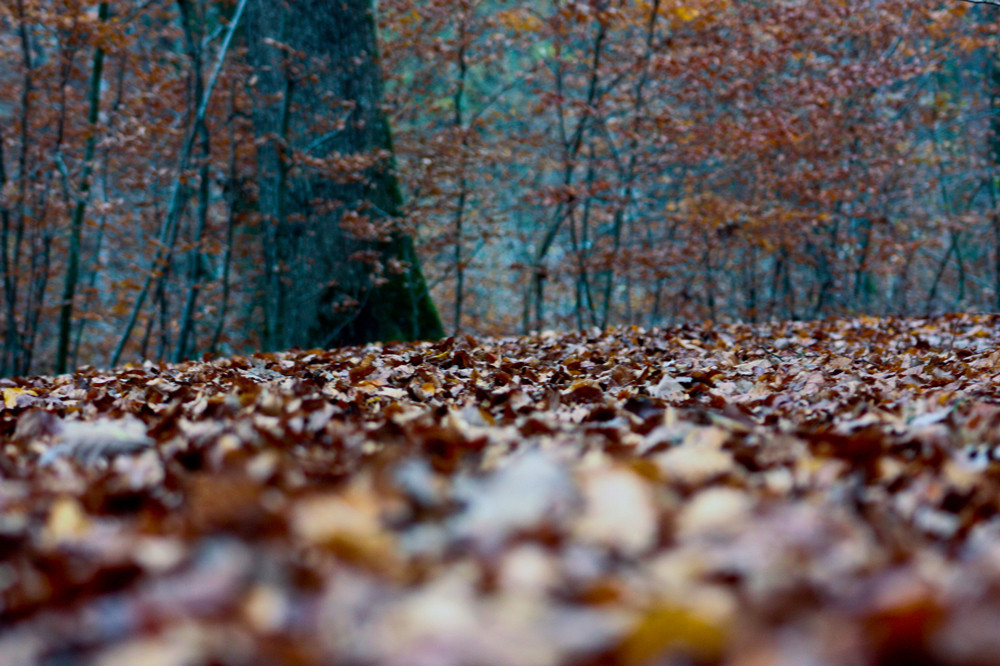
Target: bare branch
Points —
{"points": [[173, 208], [995, 3]]}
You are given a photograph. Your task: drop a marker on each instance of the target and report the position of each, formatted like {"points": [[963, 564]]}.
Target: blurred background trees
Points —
{"points": [[175, 182], [650, 162]]}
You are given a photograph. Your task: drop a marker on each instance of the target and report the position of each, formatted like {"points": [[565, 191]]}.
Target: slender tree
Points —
{"points": [[76, 227]]}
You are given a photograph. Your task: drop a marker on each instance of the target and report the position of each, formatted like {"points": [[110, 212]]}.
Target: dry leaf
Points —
{"points": [[88, 441]]}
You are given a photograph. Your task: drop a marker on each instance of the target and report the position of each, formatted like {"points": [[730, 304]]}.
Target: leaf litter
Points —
{"points": [[821, 492]]}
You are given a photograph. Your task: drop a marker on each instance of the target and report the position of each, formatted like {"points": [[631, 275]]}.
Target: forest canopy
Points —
{"points": [[560, 164]]}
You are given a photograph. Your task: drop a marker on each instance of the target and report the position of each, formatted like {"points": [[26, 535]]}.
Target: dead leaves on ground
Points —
{"points": [[704, 494]]}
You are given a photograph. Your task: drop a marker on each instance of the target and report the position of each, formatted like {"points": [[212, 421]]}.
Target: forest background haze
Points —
{"points": [[183, 176]]}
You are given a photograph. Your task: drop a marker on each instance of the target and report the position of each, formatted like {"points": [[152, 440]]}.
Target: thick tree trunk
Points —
{"points": [[341, 267]]}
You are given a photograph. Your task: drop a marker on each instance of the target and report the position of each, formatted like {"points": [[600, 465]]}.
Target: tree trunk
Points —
{"points": [[76, 226], [343, 268]]}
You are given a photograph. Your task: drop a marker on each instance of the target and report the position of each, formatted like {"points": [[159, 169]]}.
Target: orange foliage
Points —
{"points": [[572, 163]]}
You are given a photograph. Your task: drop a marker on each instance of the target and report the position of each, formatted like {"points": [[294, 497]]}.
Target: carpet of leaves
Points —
{"points": [[823, 493]]}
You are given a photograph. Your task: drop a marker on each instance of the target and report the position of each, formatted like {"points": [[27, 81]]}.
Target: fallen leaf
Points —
{"points": [[88, 441], [14, 397]]}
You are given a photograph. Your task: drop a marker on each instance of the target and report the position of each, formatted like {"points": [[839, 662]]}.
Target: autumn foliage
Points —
{"points": [[702, 494], [564, 164], [655, 161], [108, 143], [737, 428]]}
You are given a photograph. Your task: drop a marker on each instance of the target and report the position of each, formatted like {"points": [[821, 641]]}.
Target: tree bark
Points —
{"points": [[343, 268], [76, 226]]}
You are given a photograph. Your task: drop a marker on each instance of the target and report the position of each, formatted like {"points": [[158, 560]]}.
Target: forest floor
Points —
{"points": [[793, 493]]}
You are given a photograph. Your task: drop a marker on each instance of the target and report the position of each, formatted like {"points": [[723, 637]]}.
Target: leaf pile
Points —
{"points": [[704, 494]]}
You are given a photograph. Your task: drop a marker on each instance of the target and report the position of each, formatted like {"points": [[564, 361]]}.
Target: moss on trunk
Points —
{"points": [[320, 104]]}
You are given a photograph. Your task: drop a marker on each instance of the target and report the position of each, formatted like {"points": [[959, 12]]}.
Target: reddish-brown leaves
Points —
{"points": [[698, 494]]}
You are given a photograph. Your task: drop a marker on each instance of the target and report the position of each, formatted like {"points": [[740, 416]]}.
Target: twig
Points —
{"points": [[771, 354]]}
